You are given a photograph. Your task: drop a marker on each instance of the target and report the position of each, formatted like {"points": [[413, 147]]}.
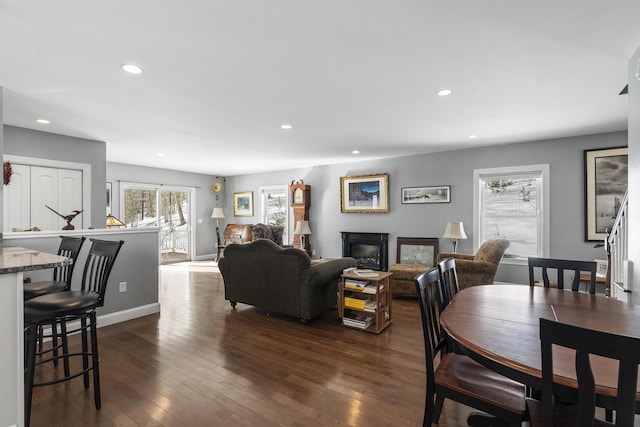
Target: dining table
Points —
{"points": [[498, 326]]}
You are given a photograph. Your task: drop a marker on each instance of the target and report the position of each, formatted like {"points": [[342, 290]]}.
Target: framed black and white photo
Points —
{"points": [[364, 193], [605, 185], [417, 195]]}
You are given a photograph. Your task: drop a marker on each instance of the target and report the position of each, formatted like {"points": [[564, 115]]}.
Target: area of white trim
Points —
{"points": [[129, 314], [85, 168]]}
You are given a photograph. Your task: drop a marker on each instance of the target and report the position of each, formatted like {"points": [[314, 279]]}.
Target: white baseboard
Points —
{"points": [[113, 318], [129, 314], [205, 257]]}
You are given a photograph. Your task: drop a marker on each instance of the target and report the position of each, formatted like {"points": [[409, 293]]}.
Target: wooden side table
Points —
{"points": [[365, 302]]}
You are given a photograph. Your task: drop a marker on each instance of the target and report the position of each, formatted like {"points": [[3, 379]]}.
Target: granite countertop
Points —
{"points": [[14, 259]]}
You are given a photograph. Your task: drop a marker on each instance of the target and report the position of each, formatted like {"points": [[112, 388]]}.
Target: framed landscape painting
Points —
{"points": [[605, 185], [243, 204], [414, 195], [364, 193], [417, 250]]}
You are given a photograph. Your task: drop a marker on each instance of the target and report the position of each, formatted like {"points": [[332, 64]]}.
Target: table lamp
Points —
{"points": [[112, 221], [218, 214], [455, 231], [302, 228]]}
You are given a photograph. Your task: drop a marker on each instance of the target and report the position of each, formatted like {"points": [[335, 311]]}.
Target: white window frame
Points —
{"points": [[540, 169]]}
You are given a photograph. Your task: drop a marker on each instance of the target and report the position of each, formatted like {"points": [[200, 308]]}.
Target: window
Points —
{"points": [[275, 207], [513, 203]]}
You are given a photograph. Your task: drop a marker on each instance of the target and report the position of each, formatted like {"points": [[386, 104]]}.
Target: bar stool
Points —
{"points": [[70, 248], [61, 307]]}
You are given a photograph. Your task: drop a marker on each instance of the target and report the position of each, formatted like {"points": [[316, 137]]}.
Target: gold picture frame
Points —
{"points": [[243, 203], [364, 193]]}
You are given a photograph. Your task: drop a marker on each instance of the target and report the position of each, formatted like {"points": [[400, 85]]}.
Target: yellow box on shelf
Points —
{"points": [[356, 303]]}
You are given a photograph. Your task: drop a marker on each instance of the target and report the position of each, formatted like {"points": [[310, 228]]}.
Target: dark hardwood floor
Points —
{"points": [[200, 363]]}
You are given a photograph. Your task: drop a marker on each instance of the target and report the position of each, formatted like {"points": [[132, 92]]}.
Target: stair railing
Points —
{"points": [[616, 245]]}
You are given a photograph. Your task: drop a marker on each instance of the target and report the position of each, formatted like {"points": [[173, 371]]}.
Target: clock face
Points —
{"points": [[216, 187], [298, 196]]}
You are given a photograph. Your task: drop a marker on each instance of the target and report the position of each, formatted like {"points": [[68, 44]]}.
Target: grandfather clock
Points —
{"points": [[301, 201]]}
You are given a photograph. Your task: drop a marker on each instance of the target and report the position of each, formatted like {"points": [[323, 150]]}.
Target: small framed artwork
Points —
{"points": [[605, 184], [109, 195], [243, 203], [364, 193], [417, 250], [415, 195], [601, 267]]}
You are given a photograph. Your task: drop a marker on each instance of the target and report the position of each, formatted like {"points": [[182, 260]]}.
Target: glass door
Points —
{"points": [[175, 237], [167, 208]]}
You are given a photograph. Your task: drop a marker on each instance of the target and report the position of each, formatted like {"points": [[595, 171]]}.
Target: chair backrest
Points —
{"points": [[560, 266], [98, 266], [585, 342], [429, 289], [492, 250], [449, 279], [70, 248]]}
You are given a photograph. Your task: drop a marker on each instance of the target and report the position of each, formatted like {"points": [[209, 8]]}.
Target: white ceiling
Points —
{"points": [[222, 76]]}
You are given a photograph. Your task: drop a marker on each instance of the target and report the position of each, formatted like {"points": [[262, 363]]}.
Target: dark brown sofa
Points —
{"points": [[280, 280]]}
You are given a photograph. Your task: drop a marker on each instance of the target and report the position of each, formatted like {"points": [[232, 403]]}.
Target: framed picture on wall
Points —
{"points": [[605, 185], [364, 193], [415, 195], [243, 203], [109, 195]]}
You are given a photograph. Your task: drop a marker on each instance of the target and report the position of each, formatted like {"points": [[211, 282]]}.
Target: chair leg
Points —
{"points": [[437, 408], [85, 351], [65, 346], [31, 342], [96, 360]]}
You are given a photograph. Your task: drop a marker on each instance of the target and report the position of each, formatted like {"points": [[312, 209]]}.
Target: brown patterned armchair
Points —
{"points": [[266, 231], [478, 269]]}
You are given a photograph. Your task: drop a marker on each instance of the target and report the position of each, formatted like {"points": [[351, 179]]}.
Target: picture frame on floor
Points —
{"points": [[605, 175], [364, 193], [417, 250]]}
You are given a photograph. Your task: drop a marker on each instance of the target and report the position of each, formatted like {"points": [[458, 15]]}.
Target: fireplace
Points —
{"points": [[370, 250]]}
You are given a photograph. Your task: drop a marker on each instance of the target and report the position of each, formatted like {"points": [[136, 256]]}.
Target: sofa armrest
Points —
{"points": [[320, 274], [445, 255]]}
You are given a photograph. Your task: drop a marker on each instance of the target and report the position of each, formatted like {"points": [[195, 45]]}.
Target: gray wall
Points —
{"points": [[1, 155], [44, 145], [455, 168], [634, 171], [137, 264], [205, 199]]}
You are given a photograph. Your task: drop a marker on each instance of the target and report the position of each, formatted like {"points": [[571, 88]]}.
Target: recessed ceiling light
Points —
{"points": [[159, 154], [130, 68], [286, 127], [43, 121], [473, 136], [355, 152], [444, 92]]}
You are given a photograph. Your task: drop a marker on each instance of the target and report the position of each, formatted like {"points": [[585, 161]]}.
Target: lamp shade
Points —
{"points": [[112, 221], [217, 213], [302, 228], [454, 230]]}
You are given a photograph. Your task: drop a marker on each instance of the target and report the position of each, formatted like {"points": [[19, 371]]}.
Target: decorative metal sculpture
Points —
{"points": [[67, 218]]}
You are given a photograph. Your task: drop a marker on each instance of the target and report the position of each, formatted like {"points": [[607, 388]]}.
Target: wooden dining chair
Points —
{"points": [[585, 342], [449, 279], [458, 377], [560, 266]]}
